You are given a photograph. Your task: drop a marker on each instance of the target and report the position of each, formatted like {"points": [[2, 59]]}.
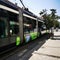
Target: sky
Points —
{"points": [[36, 6]]}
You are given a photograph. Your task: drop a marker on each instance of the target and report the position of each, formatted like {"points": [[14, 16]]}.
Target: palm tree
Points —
{"points": [[44, 11], [53, 11]]}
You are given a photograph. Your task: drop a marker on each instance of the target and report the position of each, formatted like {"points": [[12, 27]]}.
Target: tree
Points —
{"points": [[43, 14], [50, 19], [44, 11], [53, 16]]}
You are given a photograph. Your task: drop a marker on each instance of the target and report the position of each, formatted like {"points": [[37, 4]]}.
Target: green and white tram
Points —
{"points": [[16, 28]]}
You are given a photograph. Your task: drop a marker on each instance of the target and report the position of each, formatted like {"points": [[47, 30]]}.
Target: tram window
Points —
{"points": [[26, 28], [29, 25], [14, 29], [2, 29], [3, 23], [14, 25]]}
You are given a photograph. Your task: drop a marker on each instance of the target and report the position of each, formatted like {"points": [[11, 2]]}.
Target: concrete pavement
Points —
{"points": [[49, 51]]}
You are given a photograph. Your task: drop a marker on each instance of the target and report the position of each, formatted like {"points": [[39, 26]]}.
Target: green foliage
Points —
{"points": [[50, 19], [56, 23]]}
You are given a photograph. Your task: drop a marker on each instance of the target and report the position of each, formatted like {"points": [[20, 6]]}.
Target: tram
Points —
{"points": [[18, 27]]}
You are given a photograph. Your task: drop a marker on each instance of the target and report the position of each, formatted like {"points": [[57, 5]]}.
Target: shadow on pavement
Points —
{"points": [[56, 37]]}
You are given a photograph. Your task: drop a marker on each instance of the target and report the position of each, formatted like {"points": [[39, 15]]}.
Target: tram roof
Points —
{"points": [[15, 7]]}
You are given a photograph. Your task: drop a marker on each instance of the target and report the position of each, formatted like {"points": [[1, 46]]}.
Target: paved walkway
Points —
{"points": [[49, 51]]}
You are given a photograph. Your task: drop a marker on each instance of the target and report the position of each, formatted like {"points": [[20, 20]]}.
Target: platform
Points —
{"points": [[50, 50]]}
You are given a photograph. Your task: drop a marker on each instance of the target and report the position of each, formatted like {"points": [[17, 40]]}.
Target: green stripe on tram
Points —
{"points": [[33, 35], [18, 41]]}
